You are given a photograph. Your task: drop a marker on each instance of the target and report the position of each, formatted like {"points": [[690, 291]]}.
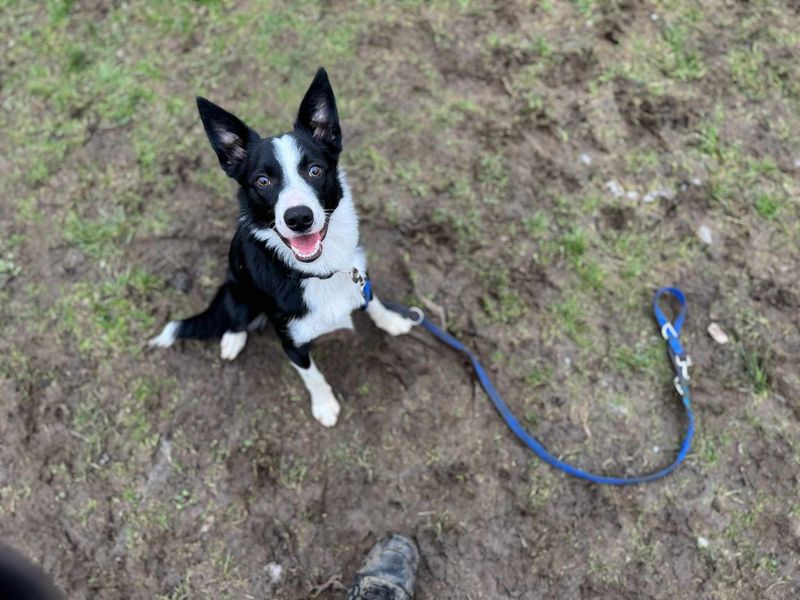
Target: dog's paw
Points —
{"points": [[325, 407], [232, 344], [393, 323], [166, 338]]}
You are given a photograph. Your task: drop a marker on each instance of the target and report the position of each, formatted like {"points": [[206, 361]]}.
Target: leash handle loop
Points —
{"points": [[671, 333]]}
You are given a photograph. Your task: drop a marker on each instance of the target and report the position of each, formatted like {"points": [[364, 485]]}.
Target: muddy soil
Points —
{"points": [[481, 142]]}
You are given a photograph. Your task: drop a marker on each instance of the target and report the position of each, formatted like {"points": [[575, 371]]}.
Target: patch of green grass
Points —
{"points": [[641, 160], [182, 499], [8, 267], [542, 46], [589, 270], [134, 420], [710, 143], [108, 316], [571, 319], [537, 224], [353, 453], [91, 422], [538, 376], [292, 472], [633, 251], [591, 273], [453, 111], [640, 358], [682, 60], [755, 370], [740, 181], [676, 53], [751, 72], [493, 177], [575, 243], [182, 591], [586, 7], [768, 206], [97, 238], [708, 449], [502, 303], [411, 176]]}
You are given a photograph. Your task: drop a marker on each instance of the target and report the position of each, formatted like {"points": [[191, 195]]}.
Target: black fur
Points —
{"points": [[257, 281]]}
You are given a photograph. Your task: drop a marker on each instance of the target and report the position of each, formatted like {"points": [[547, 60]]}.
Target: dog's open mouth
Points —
{"points": [[307, 247]]}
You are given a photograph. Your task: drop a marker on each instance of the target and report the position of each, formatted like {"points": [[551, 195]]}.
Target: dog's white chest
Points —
{"points": [[330, 302]]}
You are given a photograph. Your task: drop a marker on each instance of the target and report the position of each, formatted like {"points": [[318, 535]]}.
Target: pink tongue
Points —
{"points": [[305, 244]]}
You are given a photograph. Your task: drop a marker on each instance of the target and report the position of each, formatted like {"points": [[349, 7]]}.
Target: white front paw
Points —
{"points": [[232, 344], [394, 324], [325, 408]]}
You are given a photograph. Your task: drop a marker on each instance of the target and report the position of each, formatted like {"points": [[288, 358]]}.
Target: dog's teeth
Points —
{"points": [[302, 254]]}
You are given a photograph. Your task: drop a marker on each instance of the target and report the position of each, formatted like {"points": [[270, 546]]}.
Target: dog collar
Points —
{"points": [[309, 276]]}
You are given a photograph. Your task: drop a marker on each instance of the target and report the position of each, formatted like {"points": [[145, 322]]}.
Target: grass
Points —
{"points": [[768, 206], [456, 123], [97, 238], [570, 315], [754, 73], [502, 303], [681, 59], [107, 316], [755, 370]]}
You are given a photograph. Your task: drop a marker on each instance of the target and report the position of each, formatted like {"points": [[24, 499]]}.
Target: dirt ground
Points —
{"points": [[529, 171]]}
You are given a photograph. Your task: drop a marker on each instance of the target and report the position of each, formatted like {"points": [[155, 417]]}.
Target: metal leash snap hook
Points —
{"points": [[683, 365], [420, 316]]}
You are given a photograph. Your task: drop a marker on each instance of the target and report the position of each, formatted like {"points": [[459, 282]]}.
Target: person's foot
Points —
{"points": [[389, 571]]}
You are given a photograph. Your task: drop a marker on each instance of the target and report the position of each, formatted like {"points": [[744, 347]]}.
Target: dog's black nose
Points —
{"points": [[298, 218]]}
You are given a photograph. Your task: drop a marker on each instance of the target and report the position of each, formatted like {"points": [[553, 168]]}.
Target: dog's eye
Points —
{"points": [[263, 181], [314, 171]]}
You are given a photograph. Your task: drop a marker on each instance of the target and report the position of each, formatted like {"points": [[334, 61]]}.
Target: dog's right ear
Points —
{"points": [[228, 135]]}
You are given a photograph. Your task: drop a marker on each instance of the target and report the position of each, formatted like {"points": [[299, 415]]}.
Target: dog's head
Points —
{"points": [[290, 184]]}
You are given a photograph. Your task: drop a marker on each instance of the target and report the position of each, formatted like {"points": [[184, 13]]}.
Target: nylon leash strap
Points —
{"points": [[681, 362]]}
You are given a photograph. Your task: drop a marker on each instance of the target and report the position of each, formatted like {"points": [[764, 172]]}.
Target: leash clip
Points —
{"points": [[680, 360], [418, 316], [682, 366], [671, 334]]}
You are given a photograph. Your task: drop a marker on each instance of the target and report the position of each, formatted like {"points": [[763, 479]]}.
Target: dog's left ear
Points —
{"points": [[318, 114]]}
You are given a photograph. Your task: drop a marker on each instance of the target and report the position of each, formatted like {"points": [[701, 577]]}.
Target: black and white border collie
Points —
{"points": [[295, 258]]}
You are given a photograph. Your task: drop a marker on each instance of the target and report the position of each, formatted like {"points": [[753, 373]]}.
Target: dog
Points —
{"points": [[295, 260]]}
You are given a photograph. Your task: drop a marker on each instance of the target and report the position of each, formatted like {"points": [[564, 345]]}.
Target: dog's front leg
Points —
{"points": [[388, 320], [324, 405]]}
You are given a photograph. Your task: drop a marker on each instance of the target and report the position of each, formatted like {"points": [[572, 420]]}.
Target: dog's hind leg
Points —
{"points": [[231, 344], [324, 405], [227, 316], [388, 320], [242, 315]]}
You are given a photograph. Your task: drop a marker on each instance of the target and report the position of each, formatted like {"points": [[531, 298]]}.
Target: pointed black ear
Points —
{"points": [[318, 114], [228, 136]]}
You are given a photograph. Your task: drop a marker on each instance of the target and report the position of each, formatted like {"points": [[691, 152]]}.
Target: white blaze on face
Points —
{"points": [[296, 191], [341, 240]]}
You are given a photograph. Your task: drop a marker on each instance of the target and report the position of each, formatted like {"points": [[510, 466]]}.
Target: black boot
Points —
{"points": [[389, 571]]}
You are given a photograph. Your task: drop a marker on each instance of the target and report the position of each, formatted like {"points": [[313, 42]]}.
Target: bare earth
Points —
{"points": [[531, 172]]}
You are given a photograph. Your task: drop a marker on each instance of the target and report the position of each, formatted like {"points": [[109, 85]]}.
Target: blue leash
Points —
{"points": [[680, 362]]}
